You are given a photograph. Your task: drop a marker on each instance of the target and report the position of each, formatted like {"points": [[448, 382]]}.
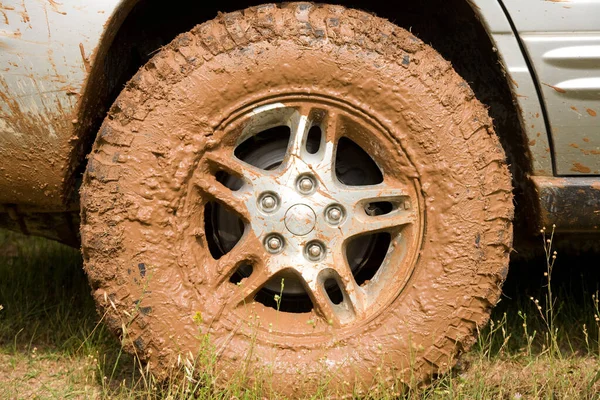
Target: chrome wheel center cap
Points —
{"points": [[300, 219]]}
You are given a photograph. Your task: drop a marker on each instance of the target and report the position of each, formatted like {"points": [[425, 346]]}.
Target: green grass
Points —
{"points": [[51, 345]]}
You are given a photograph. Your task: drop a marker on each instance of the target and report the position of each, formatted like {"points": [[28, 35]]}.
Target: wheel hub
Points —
{"points": [[300, 219]]}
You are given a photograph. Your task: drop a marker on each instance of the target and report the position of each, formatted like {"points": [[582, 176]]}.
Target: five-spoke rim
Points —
{"points": [[300, 219]]}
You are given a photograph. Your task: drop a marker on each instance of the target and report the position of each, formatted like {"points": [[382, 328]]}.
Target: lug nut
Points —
{"points": [[268, 202], [306, 184], [334, 214], [274, 244], [315, 251]]}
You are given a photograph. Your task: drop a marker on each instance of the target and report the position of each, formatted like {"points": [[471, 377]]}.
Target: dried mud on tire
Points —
{"points": [[150, 271]]}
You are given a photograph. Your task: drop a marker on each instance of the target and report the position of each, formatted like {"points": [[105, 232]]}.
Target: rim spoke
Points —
{"points": [[353, 293], [323, 305], [234, 166], [244, 252], [331, 130], [300, 125], [331, 127], [364, 224], [366, 213], [353, 302], [214, 190], [376, 193], [249, 287]]}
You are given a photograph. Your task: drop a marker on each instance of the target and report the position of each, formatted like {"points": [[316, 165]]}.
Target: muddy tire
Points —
{"points": [[198, 145]]}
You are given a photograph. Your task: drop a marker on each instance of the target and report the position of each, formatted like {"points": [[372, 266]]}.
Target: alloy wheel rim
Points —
{"points": [[304, 218]]}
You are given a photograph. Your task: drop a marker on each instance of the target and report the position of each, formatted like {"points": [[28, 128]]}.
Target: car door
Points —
{"points": [[561, 39]]}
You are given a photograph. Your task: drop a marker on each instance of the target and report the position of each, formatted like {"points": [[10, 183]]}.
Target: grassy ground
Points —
{"points": [[51, 345]]}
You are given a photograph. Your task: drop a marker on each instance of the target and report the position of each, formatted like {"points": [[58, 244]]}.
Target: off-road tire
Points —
{"points": [[135, 218]]}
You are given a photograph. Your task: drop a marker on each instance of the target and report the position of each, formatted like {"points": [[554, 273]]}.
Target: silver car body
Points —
{"points": [[550, 51]]}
